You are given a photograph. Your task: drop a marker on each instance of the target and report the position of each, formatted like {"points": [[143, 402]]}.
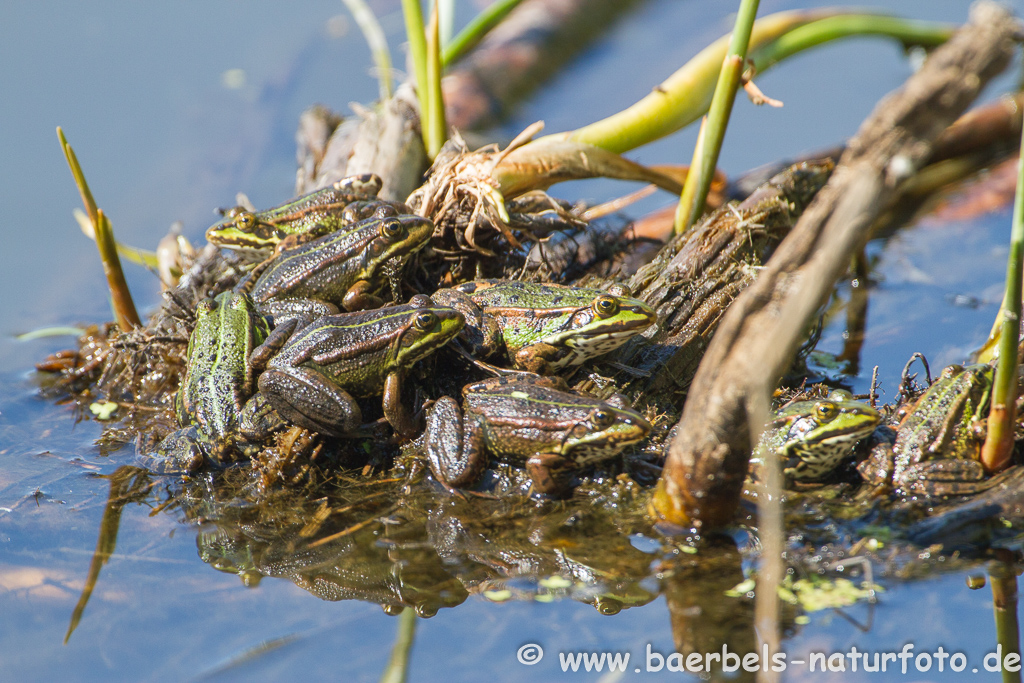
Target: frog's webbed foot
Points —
{"points": [[262, 354], [308, 399], [457, 459], [181, 452]]}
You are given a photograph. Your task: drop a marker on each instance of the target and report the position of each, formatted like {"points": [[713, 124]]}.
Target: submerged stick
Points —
{"points": [[759, 335]]}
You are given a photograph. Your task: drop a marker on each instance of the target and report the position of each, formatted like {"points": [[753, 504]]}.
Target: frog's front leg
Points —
{"points": [[944, 477], [540, 358], [878, 468], [309, 399], [397, 416], [549, 472], [274, 342], [481, 334], [455, 448], [360, 297]]}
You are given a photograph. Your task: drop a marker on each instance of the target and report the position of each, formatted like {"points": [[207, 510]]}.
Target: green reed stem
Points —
{"points": [[374, 34], [705, 153], [470, 37], [435, 127], [124, 308], [998, 448], [417, 37]]}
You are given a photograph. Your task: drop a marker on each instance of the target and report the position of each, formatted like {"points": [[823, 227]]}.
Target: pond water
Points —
{"points": [[174, 108]]}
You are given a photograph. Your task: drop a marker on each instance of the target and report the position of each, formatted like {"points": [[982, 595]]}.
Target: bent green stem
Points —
{"points": [[685, 95], [398, 664], [474, 32]]}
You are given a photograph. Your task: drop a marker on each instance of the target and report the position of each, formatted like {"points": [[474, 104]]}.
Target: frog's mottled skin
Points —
{"points": [[813, 437], [544, 328], [345, 269], [317, 213], [313, 379], [526, 421], [938, 442], [218, 381]]}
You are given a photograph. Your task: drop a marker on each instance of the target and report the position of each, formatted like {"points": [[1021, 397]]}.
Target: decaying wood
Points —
{"points": [[385, 140], [759, 335], [697, 275]]}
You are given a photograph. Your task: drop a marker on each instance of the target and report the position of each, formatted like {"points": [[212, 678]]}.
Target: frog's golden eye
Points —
{"points": [[606, 306], [826, 410], [245, 220], [602, 418], [391, 229], [425, 321]]}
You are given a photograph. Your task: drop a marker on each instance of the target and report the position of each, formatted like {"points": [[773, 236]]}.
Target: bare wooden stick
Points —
{"points": [[759, 335]]}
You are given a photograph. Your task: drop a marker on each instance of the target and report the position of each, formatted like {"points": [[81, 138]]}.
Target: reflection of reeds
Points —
{"points": [[1004, 605], [398, 664], [127, 484], [124, 308]]}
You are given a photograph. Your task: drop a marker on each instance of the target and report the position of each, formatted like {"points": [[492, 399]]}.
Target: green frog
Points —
{"points": [[316, 213], [345, 268], [312, 380], [218, 381], [526, 421], [813, 437], [939, 438], [544, 328]]}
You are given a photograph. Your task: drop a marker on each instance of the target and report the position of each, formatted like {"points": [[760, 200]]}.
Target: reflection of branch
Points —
{"points": [[707, 460], [127, 485]]}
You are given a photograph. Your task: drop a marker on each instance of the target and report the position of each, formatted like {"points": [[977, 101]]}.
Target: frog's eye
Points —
{"points": [[826, 410], [606, 306], [391, 229], [425, 321], [602, 418], [245, 220]]}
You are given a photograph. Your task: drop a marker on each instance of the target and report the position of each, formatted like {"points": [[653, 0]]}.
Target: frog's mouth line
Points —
{"points": [[826, 454]]}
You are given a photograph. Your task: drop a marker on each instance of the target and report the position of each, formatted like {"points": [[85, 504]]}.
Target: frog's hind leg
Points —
{"points": [[308, 399]]}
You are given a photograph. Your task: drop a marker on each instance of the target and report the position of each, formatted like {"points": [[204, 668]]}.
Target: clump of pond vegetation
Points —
{"points": [[511, 456]]}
